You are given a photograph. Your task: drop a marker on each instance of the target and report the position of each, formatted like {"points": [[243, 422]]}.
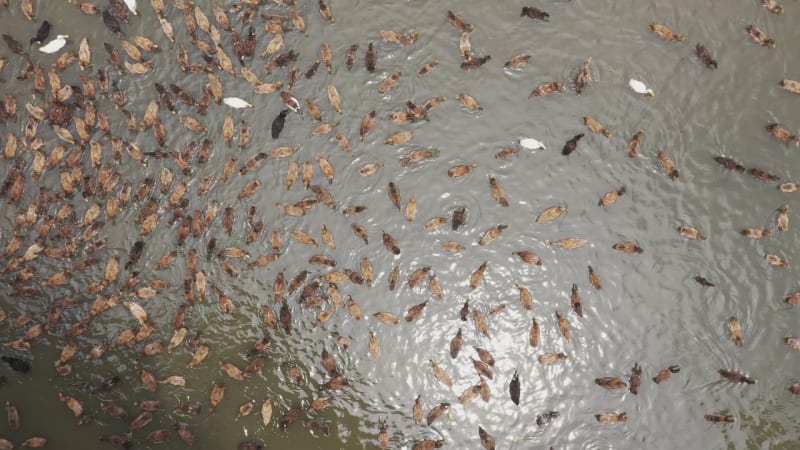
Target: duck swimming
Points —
{"points": [[666, 33], [278, 123], [584, 77], [42, 33], [640, 88], [532, 144], [458, 22], [704, 55], [474, 63], [464, 46], [236, 102], [759, 37], [371, 58], [55, 45], [772, 6], [517, 61], [571, 144], [790, 85], [782, 134], [131, 4], [547, 88], [17, 364], [535, 13]]}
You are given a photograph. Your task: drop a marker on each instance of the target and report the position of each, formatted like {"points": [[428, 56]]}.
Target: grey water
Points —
{"points": [[650, 311]]}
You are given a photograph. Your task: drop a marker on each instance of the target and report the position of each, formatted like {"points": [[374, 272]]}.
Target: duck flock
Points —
{"points": [[84, 154]]}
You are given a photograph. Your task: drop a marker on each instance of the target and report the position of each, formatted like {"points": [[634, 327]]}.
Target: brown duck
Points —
{"points": [[612, 383], [635, 379], [736, 377], [475, 63], [517, 61], [371, 58], [719, 418], [759, 37], [772, 6], [729, 163], [704, 55], [547, 88], [782, 134], [666, 374], [458, 22], [666, 33], [668, 164], [633, 145], [535, 13], [584, 77]]}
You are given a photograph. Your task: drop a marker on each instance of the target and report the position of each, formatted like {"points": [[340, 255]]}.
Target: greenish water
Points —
{"points": [[650, 310]]}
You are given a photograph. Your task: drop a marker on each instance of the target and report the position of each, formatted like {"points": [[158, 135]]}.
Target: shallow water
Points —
{"points": [[650, 310]]}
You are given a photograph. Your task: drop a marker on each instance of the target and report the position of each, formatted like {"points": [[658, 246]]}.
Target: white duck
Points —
{"points": [[640, 88], [236, 102], [55, 45], [131, 4], [532, 144]]}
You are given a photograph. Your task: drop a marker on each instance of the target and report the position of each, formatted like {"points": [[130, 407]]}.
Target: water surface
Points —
{"points": [[649, 311]]}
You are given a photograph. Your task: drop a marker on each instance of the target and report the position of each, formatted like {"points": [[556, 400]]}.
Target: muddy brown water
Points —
{"points": [[650, 310]]}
